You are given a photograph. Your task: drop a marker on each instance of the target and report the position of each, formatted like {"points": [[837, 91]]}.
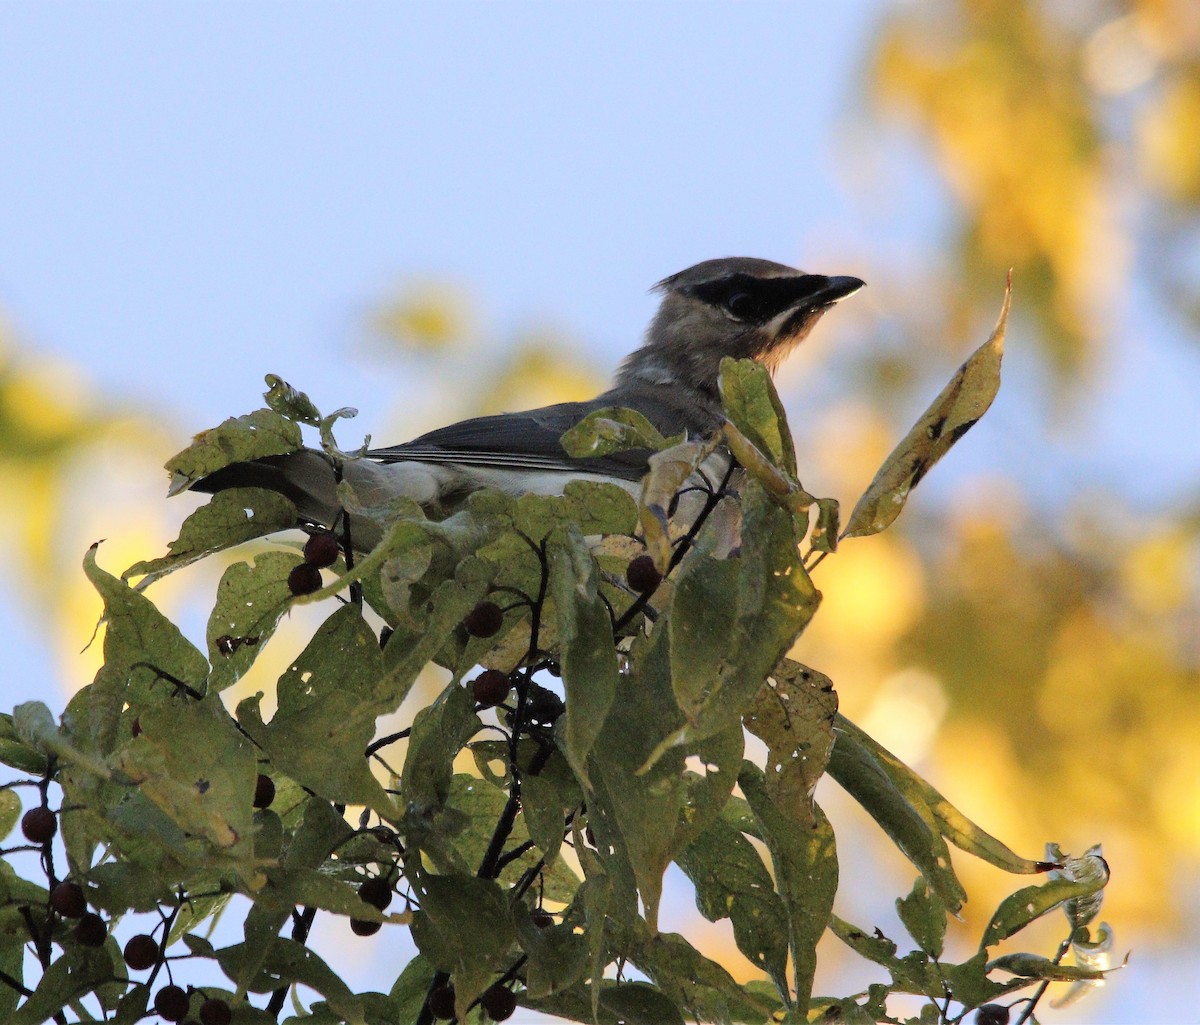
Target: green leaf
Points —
{"points": [[15, 752], [959, 406], [924, 916], [1034, 966], [898, 808], [585, 639], [752, 404], [947, 819], [558, 957], [464, 927], [410, 989], [732, 882], [804, 857], [635, 805], [71, 976], [638, 1003], [597, 507], [10, 811], [258, 434], [193, 764], [609, 430], [438, 734], [793, 714], [143, 650], [722, 649], [1018, 909], [326, 714], [251, 599], [286, 962], [704, 989], [229, 518]]}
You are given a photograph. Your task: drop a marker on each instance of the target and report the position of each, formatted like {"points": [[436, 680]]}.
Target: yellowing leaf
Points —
{"points": [[961, 403]]}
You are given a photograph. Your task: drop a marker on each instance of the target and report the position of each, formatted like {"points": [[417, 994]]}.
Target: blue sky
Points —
{"points": [[194, 194]]}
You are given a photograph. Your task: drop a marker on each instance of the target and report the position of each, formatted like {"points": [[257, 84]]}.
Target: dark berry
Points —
{"points": [[376, 892], [264, 791], [441, 1001], [304, 579], [141, 952], [322, 549], [214, 1011], [991, 1014], [69, 900], [541, 918], [544, 706], [39, 825], [484, 620], [642, 575], [364, 927], [499, 1002], [91, 931], [491, 687], [171, 1002]]}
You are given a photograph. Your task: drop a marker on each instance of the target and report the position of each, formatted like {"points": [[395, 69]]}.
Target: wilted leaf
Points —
{"points": [[961, 403], [290, 402], [947, 819], [793, 713], [612, 429], [669, 470]]}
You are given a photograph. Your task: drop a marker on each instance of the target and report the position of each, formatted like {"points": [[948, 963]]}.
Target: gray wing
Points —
{"points": [[516, 441]]}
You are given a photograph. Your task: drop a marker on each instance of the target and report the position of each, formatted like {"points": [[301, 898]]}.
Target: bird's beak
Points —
{"points": [[831, 290]]}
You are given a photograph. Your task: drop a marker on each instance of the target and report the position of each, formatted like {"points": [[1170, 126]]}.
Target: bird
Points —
{"points": [[744, 307]]}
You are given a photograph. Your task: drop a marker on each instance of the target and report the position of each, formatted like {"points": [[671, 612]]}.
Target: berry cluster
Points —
{"points": [[321, 550]]}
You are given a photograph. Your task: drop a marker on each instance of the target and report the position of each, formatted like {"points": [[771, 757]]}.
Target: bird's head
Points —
{"points": [[736, 306]]}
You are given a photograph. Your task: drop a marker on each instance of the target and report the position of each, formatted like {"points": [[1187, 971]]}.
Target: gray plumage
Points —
{"points": [[737, 306]]}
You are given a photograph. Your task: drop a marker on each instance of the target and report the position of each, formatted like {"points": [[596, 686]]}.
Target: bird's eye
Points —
{"points": [[740, 305]]}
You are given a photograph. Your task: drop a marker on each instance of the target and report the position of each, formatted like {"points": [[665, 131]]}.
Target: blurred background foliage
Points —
{"points": [[1039, 663]]}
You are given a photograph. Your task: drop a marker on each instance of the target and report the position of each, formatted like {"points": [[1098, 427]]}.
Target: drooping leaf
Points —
{"points": [[722, 651], [900, 811], [258, 434], [959, 406], [948, 820], [228, 519], [585, 639], [732, 882], [804, 856]]}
